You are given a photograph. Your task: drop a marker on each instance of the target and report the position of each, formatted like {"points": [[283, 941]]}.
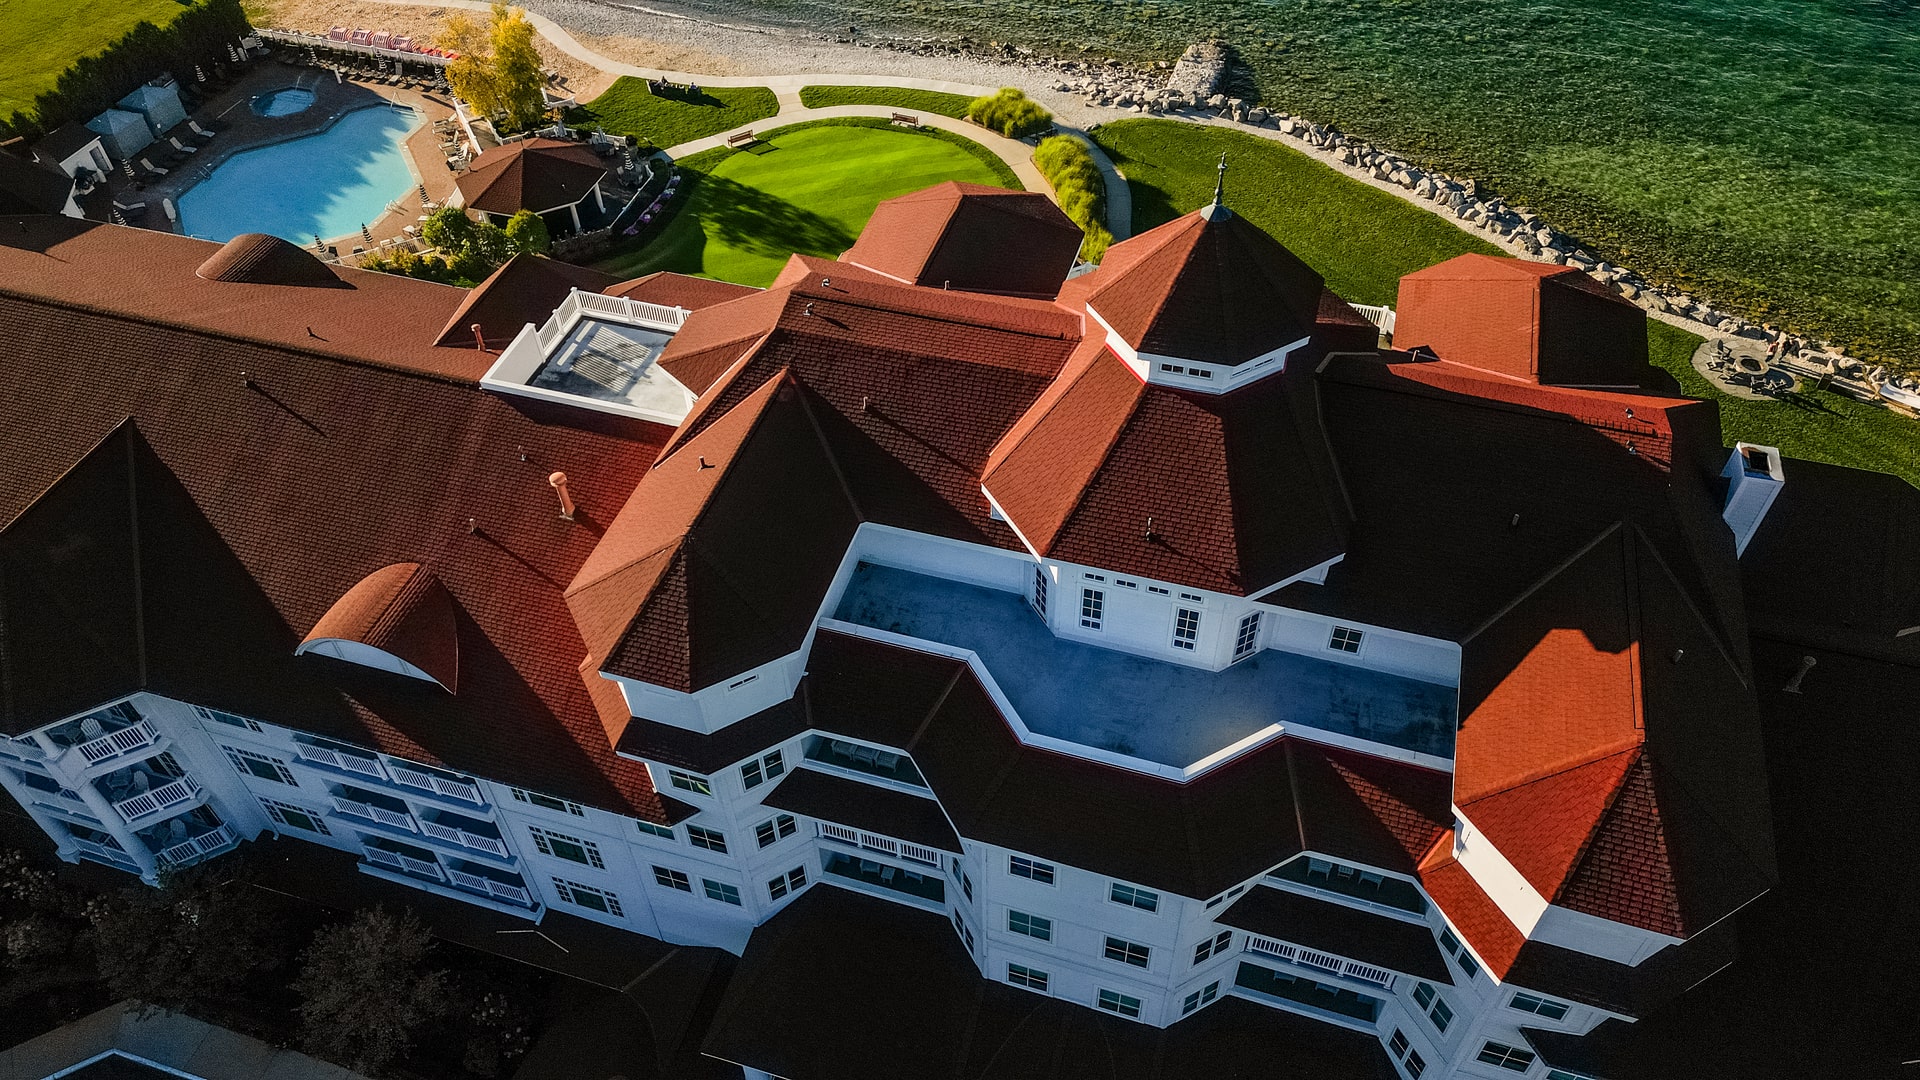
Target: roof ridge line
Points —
{"points": [[724, 382], [1698, 615], [851, 300], [801, 390], [129, 431], [1552, 771], [1613, 799], [1611, 528], [1113, 440]]}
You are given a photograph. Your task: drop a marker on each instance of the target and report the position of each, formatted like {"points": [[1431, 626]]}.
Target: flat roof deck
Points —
{"points": [[1152, 709], [610, 361]]}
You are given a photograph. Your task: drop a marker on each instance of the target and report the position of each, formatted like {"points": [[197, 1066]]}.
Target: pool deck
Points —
{"points": [[242, 129], [1159, 711]]}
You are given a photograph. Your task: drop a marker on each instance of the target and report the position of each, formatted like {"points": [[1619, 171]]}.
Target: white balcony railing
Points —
{"points": [[885, 845], [111, 852], [115, 743], [406, 864], [199, 847], [341, 759], [499, 890], [394, 819], [176, 792], [1379, 316], [1327, 962], [461, 837], [435, 785]]}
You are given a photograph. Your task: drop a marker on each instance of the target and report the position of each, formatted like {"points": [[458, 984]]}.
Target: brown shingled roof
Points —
{"points": [[532, 174], [259, 259], [1206, 286], [526, 289], [970, 237], [402, 610], [679, 290]]}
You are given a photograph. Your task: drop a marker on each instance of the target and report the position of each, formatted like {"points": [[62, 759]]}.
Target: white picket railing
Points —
{"points": [[119, 742], [165, 797], [886, 846], [378, 814], [463, 838], [1378, 315], [435, 785], [1335, 965], [111, 852], [394, 860], [340, 759], [498, 889], [205, 844]]}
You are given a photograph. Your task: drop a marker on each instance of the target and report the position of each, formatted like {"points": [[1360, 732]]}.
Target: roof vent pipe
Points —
{"points": [[479, 339], [559, 482]]}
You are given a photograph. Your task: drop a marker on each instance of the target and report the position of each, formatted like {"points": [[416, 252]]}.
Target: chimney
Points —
{"points": [[1753, 479], [559, 482]]}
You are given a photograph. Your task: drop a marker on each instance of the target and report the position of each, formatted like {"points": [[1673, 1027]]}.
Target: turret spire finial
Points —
{"points": [[1217, 210]]}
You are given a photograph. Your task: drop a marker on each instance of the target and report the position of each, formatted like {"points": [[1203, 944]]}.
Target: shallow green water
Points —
{"points": [[1765, 153]]}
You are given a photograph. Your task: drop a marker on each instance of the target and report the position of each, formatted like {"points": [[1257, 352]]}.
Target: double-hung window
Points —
{"points": [[792, 881], [1435, 1006], [1031, 978], [687, 781], [587, 896], [1144, 899], [1040, 590], [710, 839], [668, 878], [1031, 869], [1117, 1002], [570, 848], [1507, 1057], [1033, 926], [547, 802], [1539, 1006], [1459, 953], [762, 769], [1127, 952], [1345, 639], [1247, 638], [260, 765], [1200, 997], [1404, 1053], [1186, 628], [664, 832], [1093, 608], [1213, 946], [774, 830], [295, 817], [726, 894]]}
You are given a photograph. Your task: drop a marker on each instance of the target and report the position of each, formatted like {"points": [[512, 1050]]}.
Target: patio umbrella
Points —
{"points": [[199, 74], [319, 245], [127, 164], [233, 52], [366, 232], [424, 201]]}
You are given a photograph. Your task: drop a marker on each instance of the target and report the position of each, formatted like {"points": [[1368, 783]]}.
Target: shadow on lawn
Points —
{"points": [[751, 220]]}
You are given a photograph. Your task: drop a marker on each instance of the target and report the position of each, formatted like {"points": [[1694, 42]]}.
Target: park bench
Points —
{"points": [[744, 138], [906, 119]]}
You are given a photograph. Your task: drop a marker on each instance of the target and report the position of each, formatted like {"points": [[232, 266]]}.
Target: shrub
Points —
{"points": [[365, 991], [528, 232], [1009, 112], [1082, 191]]}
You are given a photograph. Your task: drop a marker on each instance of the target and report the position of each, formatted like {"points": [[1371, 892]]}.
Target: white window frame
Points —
{"points": [[544, 840], [1034, 869], [1093, 608], [1186, 628], [769, 766], [570, 891], [1246, 639], [1346, 639], [681, 780], [707, 839], [668, 878]]}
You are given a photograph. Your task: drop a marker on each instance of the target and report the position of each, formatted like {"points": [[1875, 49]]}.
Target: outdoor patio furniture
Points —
{"points": [[90, 727], [886, 760], [887, 874]]}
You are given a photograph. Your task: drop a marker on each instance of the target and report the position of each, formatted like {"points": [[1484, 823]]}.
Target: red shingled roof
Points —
{"points": [[970, 237], [526, 289], [1533, 321], [679, 290], [1468, 907], [1207, 286], [1229, 492], [532, 174], [262, 500], [402, 610]]}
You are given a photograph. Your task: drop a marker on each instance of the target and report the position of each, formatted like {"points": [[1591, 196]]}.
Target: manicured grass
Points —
{"points": [[40, 39], [629, 108], [1818, 425], [916, 101], [1360, 238], [808, 188]]}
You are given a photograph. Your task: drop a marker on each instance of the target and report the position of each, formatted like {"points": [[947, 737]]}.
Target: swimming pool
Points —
{"points": [[283, 102], [325, 185]]}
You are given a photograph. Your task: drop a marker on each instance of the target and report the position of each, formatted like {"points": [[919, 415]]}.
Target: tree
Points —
{"points": [[193, 942], [449, 229], [528, 231], [365, 990], [499, 68]]}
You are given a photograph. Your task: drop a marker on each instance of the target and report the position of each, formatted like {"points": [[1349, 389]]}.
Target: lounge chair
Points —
{"points": [[152, 169], [381, 40], [180, 146]]}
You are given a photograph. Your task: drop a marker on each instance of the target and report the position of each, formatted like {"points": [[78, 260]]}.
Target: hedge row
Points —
{"points": [[1011, 113], [1077, 183], [200, 35]]}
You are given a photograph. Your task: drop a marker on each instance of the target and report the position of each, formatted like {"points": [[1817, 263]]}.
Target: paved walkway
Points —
{"points": [[786, 89], [171, 1040]]}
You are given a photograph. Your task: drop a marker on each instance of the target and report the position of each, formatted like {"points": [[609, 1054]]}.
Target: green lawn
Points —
{"points": [[40, 39], [1814, 424], [916, 101], [1362, 240], [629, 108], [808, 188]]}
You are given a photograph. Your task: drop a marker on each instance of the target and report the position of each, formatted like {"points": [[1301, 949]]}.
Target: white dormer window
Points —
{"points": [[1345, 639], [1093, 608]]}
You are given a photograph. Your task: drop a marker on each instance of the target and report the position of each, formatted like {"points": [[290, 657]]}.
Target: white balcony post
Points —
{"points": [[116, 826]]}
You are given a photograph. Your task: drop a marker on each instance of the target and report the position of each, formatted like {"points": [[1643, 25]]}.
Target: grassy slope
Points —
{"points": [[1362, 239], [820, 97], [628, 108], [1808, 423], [810, 189], [40, 39]]}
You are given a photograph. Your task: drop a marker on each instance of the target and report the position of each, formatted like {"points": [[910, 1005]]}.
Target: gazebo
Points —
{"points": [[546, 176]]}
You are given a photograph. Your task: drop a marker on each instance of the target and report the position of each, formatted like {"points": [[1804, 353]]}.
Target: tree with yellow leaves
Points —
{"points": [[499, 69]]}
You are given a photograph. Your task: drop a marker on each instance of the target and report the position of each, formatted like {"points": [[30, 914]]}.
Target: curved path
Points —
{"points": [[786, 88]]}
